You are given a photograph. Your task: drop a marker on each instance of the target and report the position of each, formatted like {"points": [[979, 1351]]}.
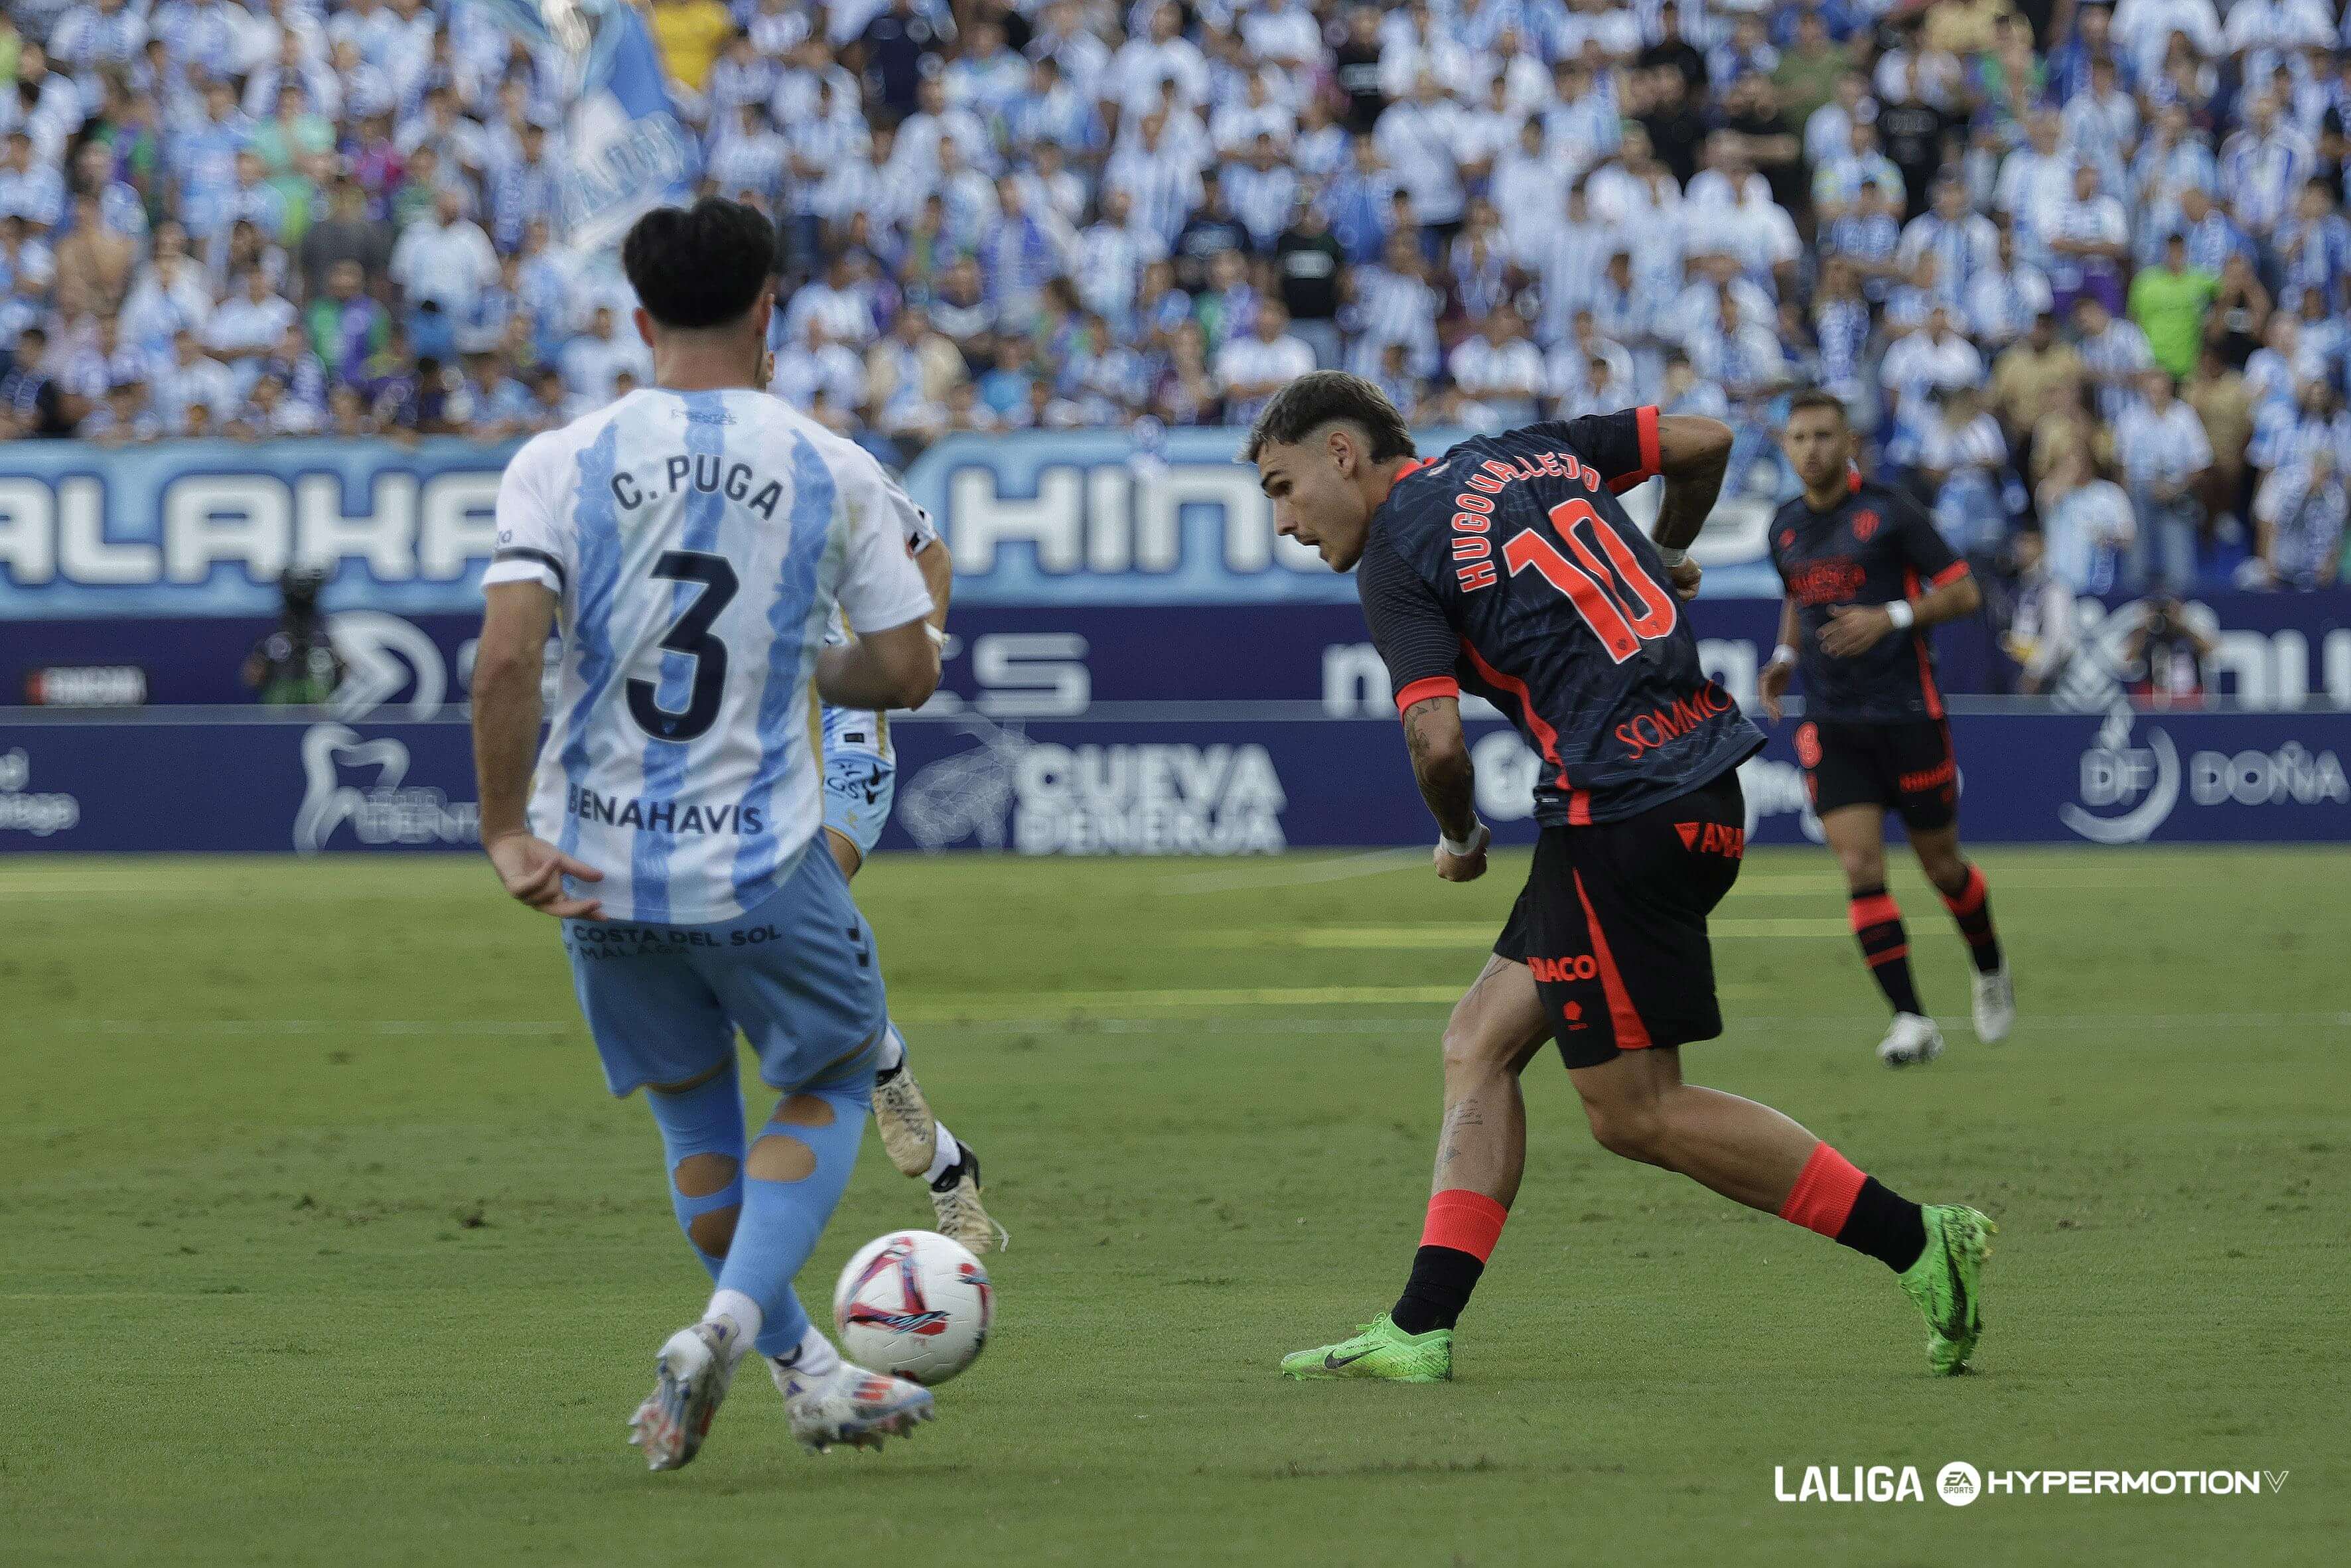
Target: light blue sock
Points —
{"points": [[707, 1119], [782, 1219]]}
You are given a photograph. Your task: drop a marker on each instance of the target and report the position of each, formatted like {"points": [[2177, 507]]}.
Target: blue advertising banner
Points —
{"points": [[1173, 517], [1116, 786], [2269, 651], [1071, 519], [204, 528], [1078, 521]]}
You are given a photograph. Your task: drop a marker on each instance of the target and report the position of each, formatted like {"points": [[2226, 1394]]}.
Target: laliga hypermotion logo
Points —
{"points": [[913, 1315], [2142, 779]]}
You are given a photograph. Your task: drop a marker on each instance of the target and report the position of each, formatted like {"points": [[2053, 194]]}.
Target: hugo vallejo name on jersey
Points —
{"points": [[700, 544]]}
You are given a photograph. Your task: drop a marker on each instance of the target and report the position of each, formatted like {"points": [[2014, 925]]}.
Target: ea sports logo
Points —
{"points": [[1957, 1483]]}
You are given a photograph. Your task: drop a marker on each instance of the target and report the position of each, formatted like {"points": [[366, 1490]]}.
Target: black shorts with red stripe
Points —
{"points": [[1907, 768], [1613, 922]]}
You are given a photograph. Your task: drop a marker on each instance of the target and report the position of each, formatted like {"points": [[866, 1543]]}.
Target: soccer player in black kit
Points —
{"points": [[1866, 575], [1507, 568]]}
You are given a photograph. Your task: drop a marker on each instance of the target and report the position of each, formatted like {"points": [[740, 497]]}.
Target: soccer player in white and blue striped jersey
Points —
{"points": [[694, 541]]}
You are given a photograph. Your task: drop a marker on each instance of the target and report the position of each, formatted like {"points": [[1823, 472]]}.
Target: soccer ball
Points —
{"points": [[915, 1305]]}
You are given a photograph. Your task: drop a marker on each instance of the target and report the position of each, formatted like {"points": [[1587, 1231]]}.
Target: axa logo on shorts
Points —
{"points": [[379, 812]]}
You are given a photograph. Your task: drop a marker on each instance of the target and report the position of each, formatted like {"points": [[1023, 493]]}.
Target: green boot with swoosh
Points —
{"points": [[1379, 1350]]}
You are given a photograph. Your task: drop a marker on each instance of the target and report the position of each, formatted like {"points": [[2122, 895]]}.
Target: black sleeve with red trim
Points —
{"points": [[1623, 446], [1915, 536], [1408, 625]]}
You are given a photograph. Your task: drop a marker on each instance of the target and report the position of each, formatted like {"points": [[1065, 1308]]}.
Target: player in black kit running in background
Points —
{"points": [[1866, 575], [1508, 568]]}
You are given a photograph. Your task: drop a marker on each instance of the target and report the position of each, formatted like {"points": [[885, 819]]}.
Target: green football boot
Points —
{"points": [[1380, 1349], [1947, 1281]]}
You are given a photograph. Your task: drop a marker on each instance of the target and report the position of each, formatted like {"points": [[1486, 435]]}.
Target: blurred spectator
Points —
{"points": [[1964, 464], [2224, 403], [1250, 369], [2168, 302], [346, 234], [2042, 634], [2087, 525], [2027, 371], [31, 401], [2160, 443], [2300, 511]]}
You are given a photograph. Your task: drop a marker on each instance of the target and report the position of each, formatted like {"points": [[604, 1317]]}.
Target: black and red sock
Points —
{"points": [[1833, 1196], [1971, 907], [1878, 926], [1458, 1237]]}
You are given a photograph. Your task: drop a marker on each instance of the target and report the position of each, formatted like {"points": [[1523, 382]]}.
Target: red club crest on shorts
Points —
{"points": [[1808, 746], [1865, 523]]}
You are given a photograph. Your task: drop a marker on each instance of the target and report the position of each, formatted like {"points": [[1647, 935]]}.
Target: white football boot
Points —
{"points": [[850, 1405], [1912, 1042], [690, 1377], [1995, 1005]]}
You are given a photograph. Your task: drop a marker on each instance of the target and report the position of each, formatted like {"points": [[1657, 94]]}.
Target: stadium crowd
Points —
{"points": [[2076, 268]]}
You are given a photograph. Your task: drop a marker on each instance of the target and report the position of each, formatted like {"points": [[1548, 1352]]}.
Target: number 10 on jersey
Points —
{"points": [[1590, 585]]}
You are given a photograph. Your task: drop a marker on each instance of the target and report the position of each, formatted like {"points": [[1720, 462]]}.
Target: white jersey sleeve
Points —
{"points": [[881, 586], [536, 540], [920, 531]]}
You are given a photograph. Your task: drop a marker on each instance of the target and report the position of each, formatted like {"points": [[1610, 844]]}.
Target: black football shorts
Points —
{"points": [[1907, 768], [1613, 922]]}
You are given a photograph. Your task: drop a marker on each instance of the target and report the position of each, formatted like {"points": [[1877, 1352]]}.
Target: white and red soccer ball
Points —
{"points": [[915, 1305]]}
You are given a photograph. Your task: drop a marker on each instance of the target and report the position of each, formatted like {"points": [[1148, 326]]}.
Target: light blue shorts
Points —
{"points": [[799, 975], [858, 787]]}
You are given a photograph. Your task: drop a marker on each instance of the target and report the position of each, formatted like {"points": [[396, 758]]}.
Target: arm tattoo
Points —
{"points": [[1441, 765], [1688, 499]]}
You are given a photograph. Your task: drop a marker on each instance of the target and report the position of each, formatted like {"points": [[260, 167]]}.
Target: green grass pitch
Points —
{"points": [[320, 1241]]}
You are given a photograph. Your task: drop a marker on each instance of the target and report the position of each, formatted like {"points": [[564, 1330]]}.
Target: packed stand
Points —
{"points": [[2073, 267]]}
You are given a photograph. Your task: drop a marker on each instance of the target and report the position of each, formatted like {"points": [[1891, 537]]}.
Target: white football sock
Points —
{"points": [[742, 1311], [945, 1154], [813, 1359], [893, 1049]]}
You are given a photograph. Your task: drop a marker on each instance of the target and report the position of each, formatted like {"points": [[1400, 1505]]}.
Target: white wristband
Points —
{"points": [[1901, 614], [1672, 557], [1479, 837], [938, 635], [1783, 655]]}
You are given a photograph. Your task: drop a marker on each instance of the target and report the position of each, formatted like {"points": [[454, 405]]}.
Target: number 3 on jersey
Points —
{"points": [[1590, 586], [690, 636]]}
